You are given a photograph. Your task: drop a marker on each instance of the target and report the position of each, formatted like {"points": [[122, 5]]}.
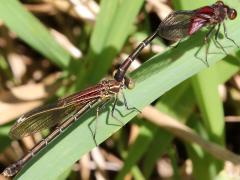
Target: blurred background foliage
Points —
{"points": [[51, 48]]}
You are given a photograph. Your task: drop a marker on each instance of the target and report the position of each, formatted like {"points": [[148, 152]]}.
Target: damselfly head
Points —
{"points": [[219, 3], [129, 83], [231, 13]]}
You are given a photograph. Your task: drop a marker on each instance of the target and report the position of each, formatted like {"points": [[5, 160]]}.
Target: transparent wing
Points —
{"points": [[177, 25], [42, 118], [54, 114]]}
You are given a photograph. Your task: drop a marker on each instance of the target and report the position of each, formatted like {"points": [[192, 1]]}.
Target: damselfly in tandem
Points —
{"points": [[64, 113], [180, 24]]}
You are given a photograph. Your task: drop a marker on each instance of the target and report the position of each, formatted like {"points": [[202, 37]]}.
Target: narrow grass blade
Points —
{"points": [[30, 30], [114, 23], [205, 86], [199, 156], [146, 133]]}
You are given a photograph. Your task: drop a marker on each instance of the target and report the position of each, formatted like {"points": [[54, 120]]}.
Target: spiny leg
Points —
{"points": [[206, 41], [99, 108], [215, 43], [196, 55], [216, 40], [92, 132], [96, 125], [113, 109], [126, 104], [217, 35], [226, 34]]}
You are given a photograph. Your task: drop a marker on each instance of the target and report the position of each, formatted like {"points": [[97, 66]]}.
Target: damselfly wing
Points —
{"points": [[54, 114], [180, 24]]}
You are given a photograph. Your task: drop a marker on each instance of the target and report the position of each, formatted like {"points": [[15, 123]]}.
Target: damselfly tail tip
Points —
{"points": [[9, 172], [5, 173]]}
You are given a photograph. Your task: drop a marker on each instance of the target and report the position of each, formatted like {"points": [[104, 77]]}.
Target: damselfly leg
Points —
{"points": [[100, 107], [219, 45], [226, 35], [126, 104], [207, 44]]}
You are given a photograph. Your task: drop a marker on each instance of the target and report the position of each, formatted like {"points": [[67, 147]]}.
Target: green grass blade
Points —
{"points": [[205, 86], [137, 174], [5, 140], [199, 156], [177, 103], [114, 23], [4, 68], [146, 133], [174, 161], [159, 146], [30, 30], [206, 89], [227, 68]]}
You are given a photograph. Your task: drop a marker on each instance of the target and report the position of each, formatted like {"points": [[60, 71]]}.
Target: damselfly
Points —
{"points": [[180, 24], [62, 114]]}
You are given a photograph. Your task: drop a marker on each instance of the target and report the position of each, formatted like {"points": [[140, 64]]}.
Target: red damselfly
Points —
{"points": [[180, 24], [62, 114]]}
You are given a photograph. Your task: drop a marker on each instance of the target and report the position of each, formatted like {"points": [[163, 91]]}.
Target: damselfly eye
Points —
{"points": [[129, 83], [232, 14], [219, 3]]}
